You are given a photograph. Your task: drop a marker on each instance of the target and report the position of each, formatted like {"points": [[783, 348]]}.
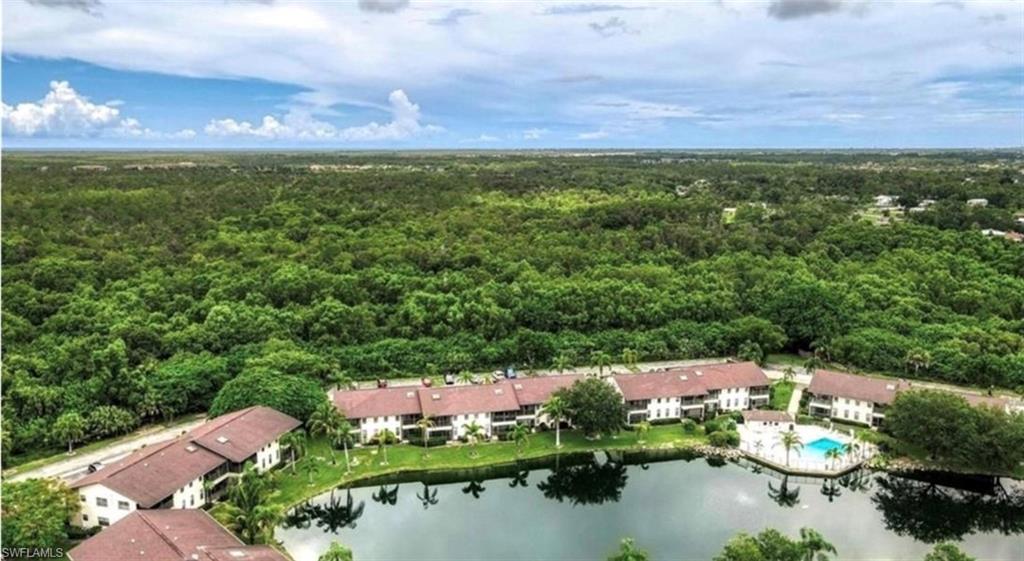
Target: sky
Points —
{"points": [[408, 74]]}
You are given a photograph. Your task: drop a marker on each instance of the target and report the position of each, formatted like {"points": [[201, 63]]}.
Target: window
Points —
{"points": [[123, 505], [192, 501], [83, 498], [104, 521], [100, 501], [85, 518]]}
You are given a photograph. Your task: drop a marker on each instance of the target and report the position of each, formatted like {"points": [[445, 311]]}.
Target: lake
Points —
{"points": [[676, 509]]}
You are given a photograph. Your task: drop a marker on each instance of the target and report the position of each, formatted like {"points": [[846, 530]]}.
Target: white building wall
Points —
{"points": [[268, 456], [117, 506], [734, 399], [459, 423], [370, 426], [852, 410], [663, 408], [192, 495]]}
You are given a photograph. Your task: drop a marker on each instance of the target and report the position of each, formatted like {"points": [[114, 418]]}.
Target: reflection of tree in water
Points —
{"points": [[587, 483], [386, 496], [783, 495], [519, 479], [831, 489], [856, 481], [331, 516], [932, 513], [475, 488], [428, 497]]}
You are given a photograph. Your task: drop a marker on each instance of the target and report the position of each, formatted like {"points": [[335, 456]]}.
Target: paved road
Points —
{"points": [[75, 466]]}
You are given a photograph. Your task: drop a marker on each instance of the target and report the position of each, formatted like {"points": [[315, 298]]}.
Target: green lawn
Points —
{"points": [[786, 359], [292, 489], [781, 393]]}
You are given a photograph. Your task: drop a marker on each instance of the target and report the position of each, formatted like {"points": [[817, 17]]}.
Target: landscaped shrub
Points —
{"points": [[720, 423], [689, 426], [657, 422], [733, 438], [719, 438]]}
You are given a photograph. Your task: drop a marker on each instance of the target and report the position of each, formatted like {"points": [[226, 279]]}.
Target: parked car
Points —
{"points": [[427, 382], [510, 373], [497, 375], [382, 383], [449, 379], [94, 467]]}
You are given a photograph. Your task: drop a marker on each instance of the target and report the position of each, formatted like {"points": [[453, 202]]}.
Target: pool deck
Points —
{"points": [[761, 446]]}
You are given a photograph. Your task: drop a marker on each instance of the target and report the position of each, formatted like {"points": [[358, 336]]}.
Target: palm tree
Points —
{"points": [[814, 545], [563, 362], [339, 379], [813, 363], [519, 479], [833, 455], [295, 441], [851, 449], [248, 512], [384, 438], [917, 359], [556, 409], [642, 428], [788, 374], [519, 434], [473, 433], [465, 377], [424, 424], [790, 440], [341, 435], [311, 468], [628, 551], [630, 358], [601, 360], [758, 447], [336, 552], [325, 420]]}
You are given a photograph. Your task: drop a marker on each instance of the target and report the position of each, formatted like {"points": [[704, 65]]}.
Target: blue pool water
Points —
{"points": [[818, 448]]}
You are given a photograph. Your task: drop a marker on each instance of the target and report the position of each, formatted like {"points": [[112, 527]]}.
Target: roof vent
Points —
{"points": [[498, 391], [890, 387], [190, 448], [518, 386], [236, 553], [683, 377], [410, 394], [435, 396], [698, 372], [222, 439]]}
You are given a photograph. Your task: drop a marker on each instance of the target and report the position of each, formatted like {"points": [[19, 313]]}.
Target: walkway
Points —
{"points": [[794, 402]]}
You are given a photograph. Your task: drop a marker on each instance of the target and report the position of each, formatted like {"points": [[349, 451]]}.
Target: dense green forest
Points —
{"points": [[135, 294]]}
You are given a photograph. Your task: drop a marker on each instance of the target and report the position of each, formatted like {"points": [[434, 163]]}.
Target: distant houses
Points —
{"points": [[186, 472], [670, 394], [864, 399], [169, 535]]}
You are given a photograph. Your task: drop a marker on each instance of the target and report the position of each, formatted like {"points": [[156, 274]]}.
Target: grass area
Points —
{"points": [[295, 488], [16, 464], [782, 391], [786, 359]]}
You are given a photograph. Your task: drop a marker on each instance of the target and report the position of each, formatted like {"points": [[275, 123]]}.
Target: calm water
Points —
{"points": [[676, 509], [820, 447]]}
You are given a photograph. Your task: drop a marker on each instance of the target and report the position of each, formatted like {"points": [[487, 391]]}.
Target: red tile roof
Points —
{"points": [[151, 474], [247, 553], [852, 386], [691, 380], [360, 404], [459, 400], [766, 416], [155, 472], [167, 535], [240, 434], [537, 390]]}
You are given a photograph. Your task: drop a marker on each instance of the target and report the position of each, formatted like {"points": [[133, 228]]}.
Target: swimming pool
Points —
{"points": [[818, 448]]}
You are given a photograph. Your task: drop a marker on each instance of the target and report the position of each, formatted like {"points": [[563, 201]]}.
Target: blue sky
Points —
{"points": [[401, 74]]}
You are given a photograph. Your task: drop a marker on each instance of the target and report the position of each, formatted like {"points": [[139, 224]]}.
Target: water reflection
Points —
{"points": [[932, 513], [386, 496], [588, 483], [901, 514]]}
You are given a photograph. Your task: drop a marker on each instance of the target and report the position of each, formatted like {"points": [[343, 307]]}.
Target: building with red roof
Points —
{"points": [[178, 473], [169, 535]]}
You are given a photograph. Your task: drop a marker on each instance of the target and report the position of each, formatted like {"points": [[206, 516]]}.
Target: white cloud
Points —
{"points": [[534, 134], [592, 135], [63, 112], [300, 124]]}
